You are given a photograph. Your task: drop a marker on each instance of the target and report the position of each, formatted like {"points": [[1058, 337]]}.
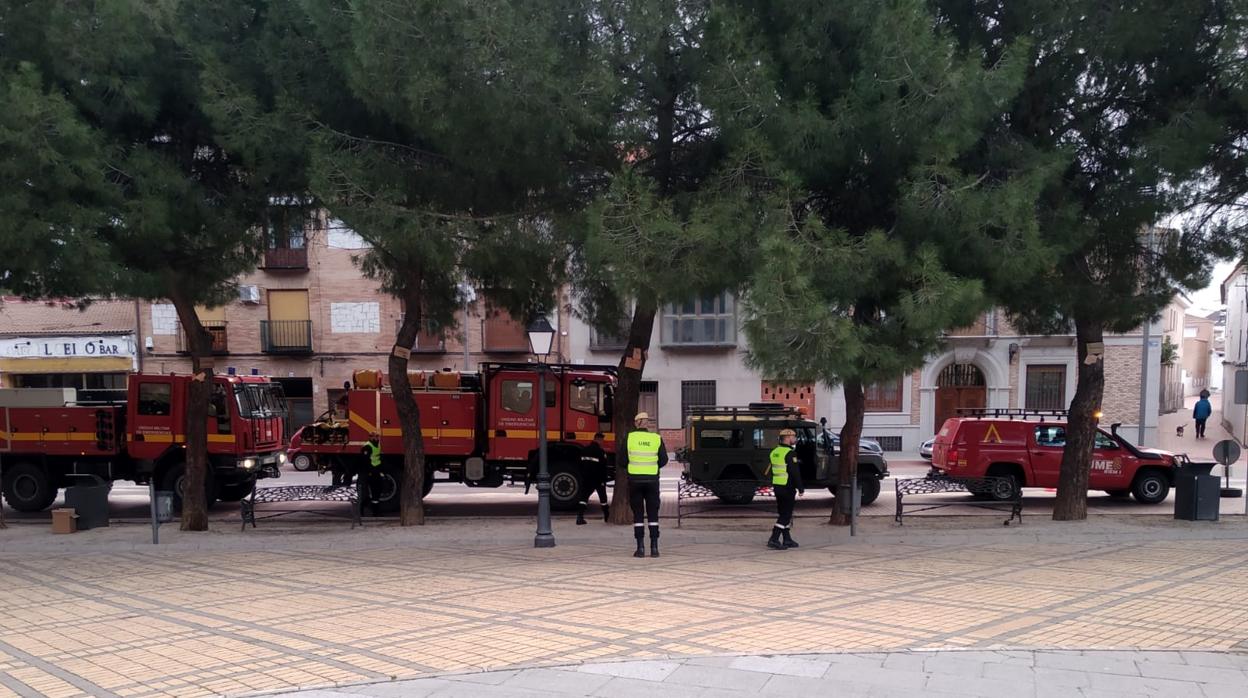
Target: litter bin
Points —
{"points": [[1197, 493], [89, 498], [164, 506]]}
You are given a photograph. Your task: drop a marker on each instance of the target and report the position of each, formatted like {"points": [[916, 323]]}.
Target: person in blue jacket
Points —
{"points": [[1201, 413]]}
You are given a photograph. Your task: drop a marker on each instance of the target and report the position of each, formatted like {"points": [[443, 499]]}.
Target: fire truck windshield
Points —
{"points": [[256, 400]]}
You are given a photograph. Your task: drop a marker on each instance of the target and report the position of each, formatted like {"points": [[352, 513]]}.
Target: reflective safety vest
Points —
{"points": [[643, 453], [374, 454], [779, 468]]}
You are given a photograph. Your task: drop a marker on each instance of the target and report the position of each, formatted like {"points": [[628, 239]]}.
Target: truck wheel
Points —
{"points": [[302, 462], [390, 479], [566, 484], [868, 490], [28, 488], [1150, 487], [1004, 490], [175, 481], [235, 491]]}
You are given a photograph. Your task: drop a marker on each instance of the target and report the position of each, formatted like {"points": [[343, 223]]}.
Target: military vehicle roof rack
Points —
{"points": [[1009, 413], [754, 409]]}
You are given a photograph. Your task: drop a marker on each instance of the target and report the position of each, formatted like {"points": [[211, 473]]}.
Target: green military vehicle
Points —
{"points": [[725, 446]]}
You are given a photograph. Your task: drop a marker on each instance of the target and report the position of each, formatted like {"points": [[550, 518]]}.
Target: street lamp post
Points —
{"points": [[541, 335]]}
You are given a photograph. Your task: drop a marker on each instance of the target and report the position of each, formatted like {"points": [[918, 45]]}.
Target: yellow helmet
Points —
{"points": [[640, 416], [787, 432]]}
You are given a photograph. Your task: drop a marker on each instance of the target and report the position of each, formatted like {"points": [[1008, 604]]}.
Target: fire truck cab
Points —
{"points": [[48, 437]]}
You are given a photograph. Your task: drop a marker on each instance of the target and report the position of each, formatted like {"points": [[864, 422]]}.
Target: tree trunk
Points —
{"points": [[847, 459], [198, 396], [627, 395], [411, 508], [1072, 480]]}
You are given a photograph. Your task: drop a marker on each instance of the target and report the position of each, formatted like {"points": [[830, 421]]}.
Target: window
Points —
{"points": [[695, 394], [884, 397], [719, 438], [1191, 331], [1046, 388], [585, 398], [1105, 441], [286, 229], [648, 400], [766, 438], [502, 334], [155, 399], [517, 396], [706, 321], [600, 340], [1051, 436]]}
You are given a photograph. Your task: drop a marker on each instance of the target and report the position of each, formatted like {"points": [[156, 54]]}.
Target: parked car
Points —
{"points": [[925, 449], [864, 445], [1028, 453]]}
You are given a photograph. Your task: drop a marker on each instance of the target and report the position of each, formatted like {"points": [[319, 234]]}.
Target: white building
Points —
{"points": [[697, 356]]}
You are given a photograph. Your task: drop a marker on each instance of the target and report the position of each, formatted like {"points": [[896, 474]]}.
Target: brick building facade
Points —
{"points": [[309, 318]]}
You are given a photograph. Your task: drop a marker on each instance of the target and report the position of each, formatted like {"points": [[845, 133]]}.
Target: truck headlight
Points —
{"points": [[248, 463], [281, 458]]}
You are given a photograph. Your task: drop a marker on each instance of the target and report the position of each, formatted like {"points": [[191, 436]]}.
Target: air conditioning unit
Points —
{"points": [[249, 294]]}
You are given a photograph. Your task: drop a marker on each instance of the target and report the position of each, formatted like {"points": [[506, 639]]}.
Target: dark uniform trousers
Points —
{"points": [[786, 497], [643, 497]]}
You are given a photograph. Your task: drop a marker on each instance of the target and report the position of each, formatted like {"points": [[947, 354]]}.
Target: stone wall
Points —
{"points": [[1122, 385]]}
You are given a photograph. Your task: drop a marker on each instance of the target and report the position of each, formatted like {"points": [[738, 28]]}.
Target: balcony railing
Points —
{"points": [[286, 336], [427, 342], [216, 328], [286, 258]]}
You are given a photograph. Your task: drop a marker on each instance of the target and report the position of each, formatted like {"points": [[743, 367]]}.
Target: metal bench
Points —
{"points": [[302, 493], [748, 491], [982, 486]]}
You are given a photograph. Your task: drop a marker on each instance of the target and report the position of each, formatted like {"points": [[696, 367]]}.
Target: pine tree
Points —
{"points": [[139, 168], [678, 208], [1143, 102], [866, 111], [449, 136]]}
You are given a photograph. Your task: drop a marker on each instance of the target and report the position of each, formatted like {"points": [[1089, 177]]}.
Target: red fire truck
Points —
{"points": [[47, 437], [479, 428]]}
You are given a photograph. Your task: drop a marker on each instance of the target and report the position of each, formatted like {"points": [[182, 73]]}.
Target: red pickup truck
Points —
{"points": [[1029, 453]]}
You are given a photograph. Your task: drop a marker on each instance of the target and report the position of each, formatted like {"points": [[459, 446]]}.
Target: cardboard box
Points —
{"points": [[64, 520]]}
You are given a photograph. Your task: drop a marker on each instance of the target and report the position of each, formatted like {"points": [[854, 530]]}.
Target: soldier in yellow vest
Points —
{"points": [[786, 482], [646, 454]]}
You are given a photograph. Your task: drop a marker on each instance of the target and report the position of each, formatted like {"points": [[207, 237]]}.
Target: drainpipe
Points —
{"points": [[139, 345]]}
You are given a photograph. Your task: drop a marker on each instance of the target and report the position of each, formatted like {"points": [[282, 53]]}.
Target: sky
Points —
{"points": [[1209, 298]]}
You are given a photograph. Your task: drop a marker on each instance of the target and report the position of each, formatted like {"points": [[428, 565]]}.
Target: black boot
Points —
{"points": [[788, 540], [580, 516], [606, 513], [641, 548], [654, 546], [774, 542]]}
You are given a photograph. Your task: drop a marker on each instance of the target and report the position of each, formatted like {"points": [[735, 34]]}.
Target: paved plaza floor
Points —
{"points": [[310, 605]]}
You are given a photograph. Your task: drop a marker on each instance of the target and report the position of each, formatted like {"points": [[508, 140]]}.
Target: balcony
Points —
{"points": [[220, 343], [286, 336], [285, 259], [428, 341], [984, 326]]}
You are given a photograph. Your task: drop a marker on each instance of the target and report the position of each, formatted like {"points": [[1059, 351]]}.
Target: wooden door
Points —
{"points": [[959, 387]]}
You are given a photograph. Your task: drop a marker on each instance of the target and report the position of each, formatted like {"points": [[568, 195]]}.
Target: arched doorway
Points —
{"points": [[959, 386]]}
